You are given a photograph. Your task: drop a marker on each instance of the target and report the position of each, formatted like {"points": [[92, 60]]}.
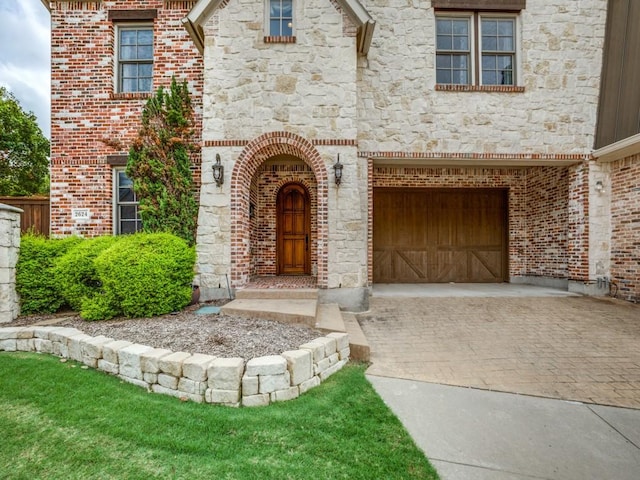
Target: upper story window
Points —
{"points": [[280, 18], [476, 49], [135, 58]]}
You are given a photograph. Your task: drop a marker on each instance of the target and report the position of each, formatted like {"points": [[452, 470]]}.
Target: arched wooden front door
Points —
{"points": [[293, 230]]}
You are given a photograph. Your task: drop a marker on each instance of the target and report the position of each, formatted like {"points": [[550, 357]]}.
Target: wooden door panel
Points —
{"points": [[439, 235], [294, 228]]}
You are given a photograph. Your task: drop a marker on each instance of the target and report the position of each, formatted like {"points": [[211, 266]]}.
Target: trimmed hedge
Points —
{"points": [[137, 275], [75, 272], [35, 282], [142, 275]]}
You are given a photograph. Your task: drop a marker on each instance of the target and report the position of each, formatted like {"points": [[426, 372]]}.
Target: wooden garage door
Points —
{"points": [[439, 235]]}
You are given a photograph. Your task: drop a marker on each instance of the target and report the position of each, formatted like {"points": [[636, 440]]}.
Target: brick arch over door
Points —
{"points": [[253, 155]]}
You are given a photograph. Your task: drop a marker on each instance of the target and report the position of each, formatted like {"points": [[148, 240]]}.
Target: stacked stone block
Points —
{"points": [[9, 248], [196, 377]]}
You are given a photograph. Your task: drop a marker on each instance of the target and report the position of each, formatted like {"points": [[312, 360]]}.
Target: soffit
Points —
{"points": [[200, 13]]}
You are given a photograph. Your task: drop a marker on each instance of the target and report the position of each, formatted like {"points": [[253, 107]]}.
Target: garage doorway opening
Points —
{"points": [[426, 235]]}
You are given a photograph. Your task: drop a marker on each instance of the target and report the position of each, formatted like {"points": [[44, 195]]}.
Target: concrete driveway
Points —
{"points": [[508, 338]]}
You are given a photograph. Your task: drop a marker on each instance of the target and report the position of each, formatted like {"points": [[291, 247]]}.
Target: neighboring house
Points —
{"points": [[465, 131]]}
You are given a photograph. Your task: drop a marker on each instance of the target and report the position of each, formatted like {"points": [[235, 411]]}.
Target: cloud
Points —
{"points": [[25, 56]]}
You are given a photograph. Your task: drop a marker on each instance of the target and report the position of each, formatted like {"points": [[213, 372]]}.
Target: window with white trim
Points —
{"points": [[280, 18], [126, 214], [134, 58], [476, 49]]}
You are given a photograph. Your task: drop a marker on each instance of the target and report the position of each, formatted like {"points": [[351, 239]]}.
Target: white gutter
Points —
{"points": [[618, 150]]}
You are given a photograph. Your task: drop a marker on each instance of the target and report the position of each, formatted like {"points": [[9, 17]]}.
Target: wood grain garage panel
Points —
{"points": [[439, 235]]}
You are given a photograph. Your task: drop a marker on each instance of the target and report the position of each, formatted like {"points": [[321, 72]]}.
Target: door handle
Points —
{"points": [[306, 241]]}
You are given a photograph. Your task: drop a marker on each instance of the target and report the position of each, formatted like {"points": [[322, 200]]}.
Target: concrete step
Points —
{"points": [[358, 343], [329, 318], [288, 311], [277, 293]]}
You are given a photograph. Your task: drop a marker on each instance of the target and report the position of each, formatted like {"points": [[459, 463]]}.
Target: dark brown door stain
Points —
{"points": [[439, 235], [293, 230]]}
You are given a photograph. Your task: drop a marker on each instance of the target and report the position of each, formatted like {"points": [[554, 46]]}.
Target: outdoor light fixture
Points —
{"points": [[599, 186], [218, 171], [337, 168]]}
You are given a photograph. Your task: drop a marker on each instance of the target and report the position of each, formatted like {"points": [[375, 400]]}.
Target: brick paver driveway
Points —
{"points": [[574, 348]]}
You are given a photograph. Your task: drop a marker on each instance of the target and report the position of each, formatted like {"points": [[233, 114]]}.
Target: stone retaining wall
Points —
{"points": [[197, 377], [9, 248]]}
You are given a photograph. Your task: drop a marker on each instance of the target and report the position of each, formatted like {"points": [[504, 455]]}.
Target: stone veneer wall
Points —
{"points": [[9, 249], [267, 98], [625, 227], [196, 377], [552, 110], [89, 119]]}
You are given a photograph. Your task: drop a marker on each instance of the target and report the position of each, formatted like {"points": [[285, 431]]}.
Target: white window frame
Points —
{"points": [[472, 43], [475, 64], [516, 44], [117, 203], [267, 19], [117, 87]]}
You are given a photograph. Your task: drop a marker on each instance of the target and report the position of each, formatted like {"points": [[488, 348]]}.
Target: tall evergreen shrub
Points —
{"points": [[159, 164]]}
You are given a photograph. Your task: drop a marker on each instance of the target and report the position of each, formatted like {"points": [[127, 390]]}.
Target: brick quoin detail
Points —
{"points": [[252, 157]]}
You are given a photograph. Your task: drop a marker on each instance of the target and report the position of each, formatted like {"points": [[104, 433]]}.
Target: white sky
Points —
{"points": [[25, 56]]}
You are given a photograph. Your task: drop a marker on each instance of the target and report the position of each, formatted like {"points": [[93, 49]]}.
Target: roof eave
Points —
{"points": [[196, 34], [196, 18], [619, 150], [46, 5], [366, 24]]}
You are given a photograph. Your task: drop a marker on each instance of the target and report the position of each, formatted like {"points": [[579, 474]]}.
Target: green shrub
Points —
{"points": [[35, 282], [75, 271], [142, 275]]}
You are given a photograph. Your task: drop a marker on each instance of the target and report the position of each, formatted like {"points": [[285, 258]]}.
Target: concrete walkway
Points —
{"points": [[466, 369], [471, 434]]}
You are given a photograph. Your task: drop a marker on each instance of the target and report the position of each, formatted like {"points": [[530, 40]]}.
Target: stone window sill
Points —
{"points": [[279, 39], [479, 88]]}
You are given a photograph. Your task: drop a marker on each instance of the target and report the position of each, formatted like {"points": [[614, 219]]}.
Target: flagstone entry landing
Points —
{"points": [[294, 299]]}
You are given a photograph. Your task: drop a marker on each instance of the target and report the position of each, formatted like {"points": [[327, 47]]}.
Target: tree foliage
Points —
{"points": [[159, 164], [24, 150]]}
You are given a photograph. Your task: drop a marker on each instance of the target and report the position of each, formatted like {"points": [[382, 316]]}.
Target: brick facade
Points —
{"points": [[538, 210], [279, 111], [625, 228], [90, 120], [251, 169]]}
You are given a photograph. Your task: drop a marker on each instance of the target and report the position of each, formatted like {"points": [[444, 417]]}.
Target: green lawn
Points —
{"points": [[59, 421]]}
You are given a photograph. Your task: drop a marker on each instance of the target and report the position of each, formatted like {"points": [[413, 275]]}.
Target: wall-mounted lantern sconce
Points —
{"points": [[218, 171], [599, 186], [337, 168]]}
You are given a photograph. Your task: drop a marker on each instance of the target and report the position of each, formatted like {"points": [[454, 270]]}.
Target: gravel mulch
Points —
{"points": [[186, 331]]}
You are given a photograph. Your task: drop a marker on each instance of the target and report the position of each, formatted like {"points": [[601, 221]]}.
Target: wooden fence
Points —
{"points": [[35, 216]]}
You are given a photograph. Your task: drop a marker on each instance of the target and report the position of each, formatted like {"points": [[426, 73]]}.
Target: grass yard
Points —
{"points": [[60, 421]]}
